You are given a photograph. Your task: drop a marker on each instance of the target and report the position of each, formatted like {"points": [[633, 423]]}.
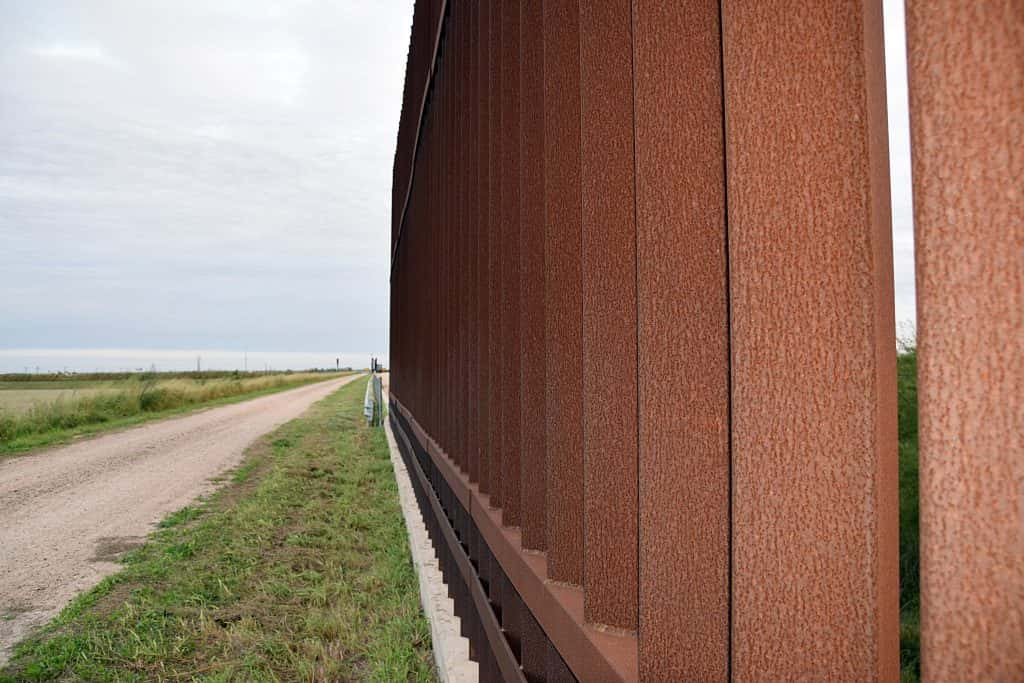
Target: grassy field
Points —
{"points": [[18, 401], [299, 569], [910, 575], [43, 412]]}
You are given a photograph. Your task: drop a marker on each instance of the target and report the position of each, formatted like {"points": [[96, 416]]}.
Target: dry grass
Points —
{"points": [[128, 402]]}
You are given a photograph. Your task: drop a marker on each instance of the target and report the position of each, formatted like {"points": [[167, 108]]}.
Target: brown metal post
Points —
{"points": [[562, 288], [482, 398], [457, 346], [449, 76], [966, 73], [533, 468], [470, 383], [496, 226], [814, 513], [609, 314], [510, 263], [683, 343]]}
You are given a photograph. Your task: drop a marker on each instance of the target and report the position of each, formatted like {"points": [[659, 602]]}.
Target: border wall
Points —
{"points": [[642, 336]]}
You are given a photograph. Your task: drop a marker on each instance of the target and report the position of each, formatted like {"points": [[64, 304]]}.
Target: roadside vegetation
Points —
{"points": [[910, 572], [298, 569], [42, 412]]}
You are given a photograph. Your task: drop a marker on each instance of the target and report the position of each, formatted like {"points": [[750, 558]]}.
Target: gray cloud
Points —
{"points": [[211, 174]]}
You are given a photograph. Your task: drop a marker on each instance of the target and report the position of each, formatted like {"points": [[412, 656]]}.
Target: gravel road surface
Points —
{"points": [[67, 513]]}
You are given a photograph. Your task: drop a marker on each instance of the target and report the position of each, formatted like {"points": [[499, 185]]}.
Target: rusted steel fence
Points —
{"points": [[642, 339]]}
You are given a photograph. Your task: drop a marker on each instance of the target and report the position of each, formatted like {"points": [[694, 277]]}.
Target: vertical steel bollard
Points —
{"points": [[562, 290], [966, 71], [814, 462], [683, 336], [609, 353]]}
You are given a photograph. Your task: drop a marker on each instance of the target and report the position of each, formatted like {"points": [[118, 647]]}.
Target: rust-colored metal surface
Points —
{"points": [[814, 514], [642, 308], [966, 71], [449, 215], [609, 353], [563, 313], [465, 395], [497, 658], [511, 444], [492, 483], [683, 343], [533, 358], [481, 456], [593, 654]]}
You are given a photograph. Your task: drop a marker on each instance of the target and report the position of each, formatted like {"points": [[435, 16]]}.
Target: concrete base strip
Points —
{"points": [[451, 651]]}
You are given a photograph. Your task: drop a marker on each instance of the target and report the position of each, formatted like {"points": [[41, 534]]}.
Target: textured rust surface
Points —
{"points": [[492, 483], [533, 475], [966, 70], [483, 392], [683, 341], [813, 355], [563, 313], [510, 479], [609, 314]]}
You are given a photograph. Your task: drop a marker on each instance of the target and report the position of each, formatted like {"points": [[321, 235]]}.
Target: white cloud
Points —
{"points": [[93, 54]]}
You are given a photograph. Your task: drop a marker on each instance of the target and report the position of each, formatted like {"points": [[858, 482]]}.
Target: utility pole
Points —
{"points": [[246, 361]]}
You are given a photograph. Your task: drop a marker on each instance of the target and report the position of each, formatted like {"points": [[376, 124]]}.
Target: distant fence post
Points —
{"points": [[966, 73]]}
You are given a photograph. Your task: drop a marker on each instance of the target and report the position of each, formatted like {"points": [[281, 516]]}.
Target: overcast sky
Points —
{"points": [[216, 174], [207, 174]]}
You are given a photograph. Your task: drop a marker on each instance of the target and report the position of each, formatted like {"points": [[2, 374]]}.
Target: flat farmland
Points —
{"points": [[18, 397], [38, 411]]}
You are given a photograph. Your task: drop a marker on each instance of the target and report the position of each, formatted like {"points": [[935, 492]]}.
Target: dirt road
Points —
{"points": [[67, 513]]}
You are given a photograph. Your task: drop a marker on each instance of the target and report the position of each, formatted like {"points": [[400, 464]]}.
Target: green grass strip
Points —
{"points": [[298, 569]]}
